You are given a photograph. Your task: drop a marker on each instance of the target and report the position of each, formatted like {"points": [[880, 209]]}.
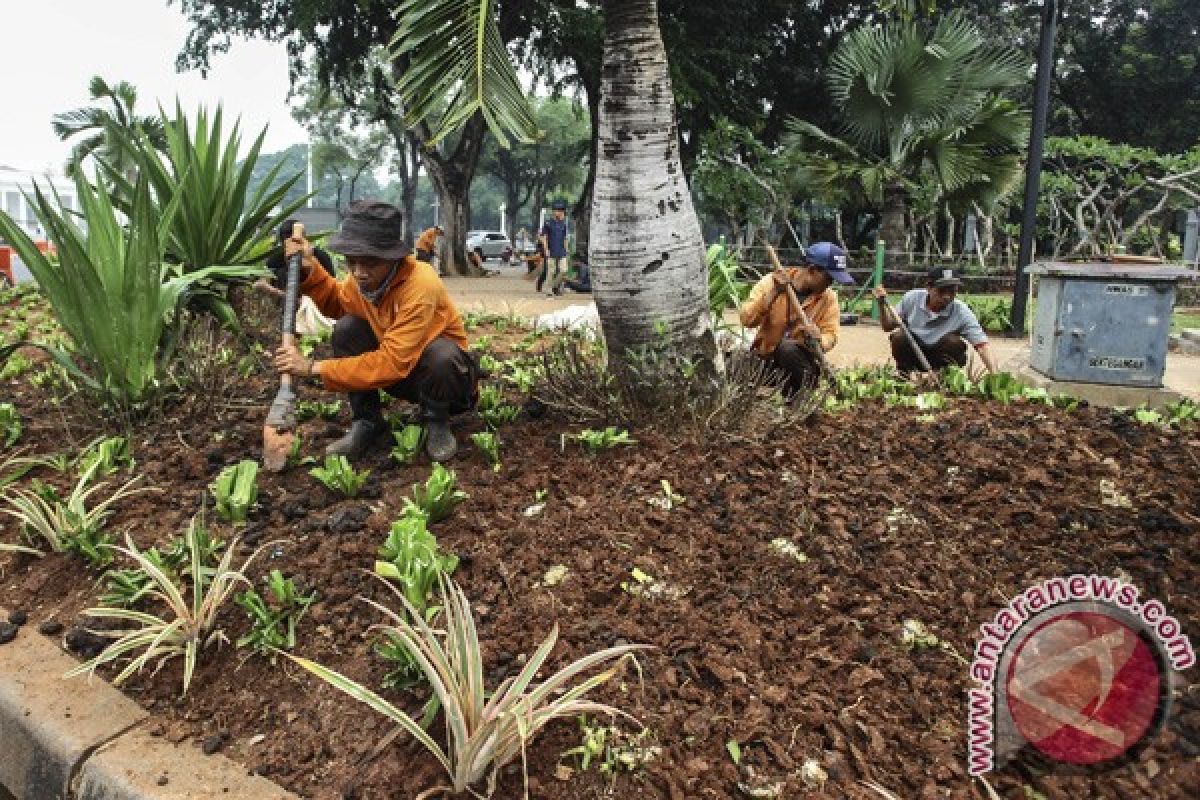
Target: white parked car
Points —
{"points": [[490, 244]]}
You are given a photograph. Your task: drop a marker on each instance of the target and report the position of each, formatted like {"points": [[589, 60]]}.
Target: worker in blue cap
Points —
{"points": [[786, 336]]}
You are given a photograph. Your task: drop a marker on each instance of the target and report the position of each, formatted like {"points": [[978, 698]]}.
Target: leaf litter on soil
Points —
{"points": [[802, 662]]}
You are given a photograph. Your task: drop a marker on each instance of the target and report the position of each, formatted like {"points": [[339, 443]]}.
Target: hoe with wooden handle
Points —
{"points": [[280, 430], [814, 342]]}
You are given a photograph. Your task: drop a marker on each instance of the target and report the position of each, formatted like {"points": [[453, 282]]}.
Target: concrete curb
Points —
{"points": [[1102, 394], [84, 740]]}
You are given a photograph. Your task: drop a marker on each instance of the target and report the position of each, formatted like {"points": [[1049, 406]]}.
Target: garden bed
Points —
{"points": [[895, 514]]}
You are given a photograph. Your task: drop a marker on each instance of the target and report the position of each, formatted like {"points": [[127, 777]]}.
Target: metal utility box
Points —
{"points": [[1103, 323]]}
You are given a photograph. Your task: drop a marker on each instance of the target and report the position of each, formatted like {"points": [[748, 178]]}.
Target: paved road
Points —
{"points": [[860, 344]]}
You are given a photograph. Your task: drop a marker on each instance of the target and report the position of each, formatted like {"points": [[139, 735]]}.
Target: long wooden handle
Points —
{"points": [[818, 347], [290, 298], [791, 293]]}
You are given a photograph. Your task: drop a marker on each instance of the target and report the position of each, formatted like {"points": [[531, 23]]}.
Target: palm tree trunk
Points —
{"points": [[892, 228], [646, 248]]}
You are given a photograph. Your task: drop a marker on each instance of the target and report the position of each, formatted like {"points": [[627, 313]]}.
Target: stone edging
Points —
{"points": [[84, 740]]}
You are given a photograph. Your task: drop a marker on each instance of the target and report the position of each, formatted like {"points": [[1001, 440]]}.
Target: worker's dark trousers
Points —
{"points": [[798, 363], [950, 349], [443, 382]]}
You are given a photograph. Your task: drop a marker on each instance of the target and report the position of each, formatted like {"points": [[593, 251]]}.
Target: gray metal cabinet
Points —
{"points": [[1103, 323]]}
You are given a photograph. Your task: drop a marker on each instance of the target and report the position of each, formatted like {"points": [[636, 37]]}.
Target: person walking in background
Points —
{"points": [[553, 239], [427, 243]]}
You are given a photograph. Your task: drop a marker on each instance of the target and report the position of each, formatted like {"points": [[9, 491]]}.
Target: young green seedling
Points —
{"points": [[10, 424], [275, 616], [438, 497], [408, 443], [106, 456], [236, 491], [307, 409], [489, 444], [596, 441], [337, 475]]}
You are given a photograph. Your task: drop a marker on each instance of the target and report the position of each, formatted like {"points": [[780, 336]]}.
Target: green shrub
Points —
{"points": [[110, 289], [220, 220]]}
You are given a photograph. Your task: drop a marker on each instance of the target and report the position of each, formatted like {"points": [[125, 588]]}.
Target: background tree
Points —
{"points": [[529, 172], [647, 252], [347, 148], [1096, 195], [294, 162], [342, 37], [919, 104], [1125, 70], [741, 182], [103, 129]]}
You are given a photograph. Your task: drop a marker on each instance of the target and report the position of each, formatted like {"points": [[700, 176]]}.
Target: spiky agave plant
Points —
{"points": [[187, 628], [484, 730]]}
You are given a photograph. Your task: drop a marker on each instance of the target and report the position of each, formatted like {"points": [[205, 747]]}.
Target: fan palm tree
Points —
{"points": [[646, 249], [920, 104], [105, 132]]}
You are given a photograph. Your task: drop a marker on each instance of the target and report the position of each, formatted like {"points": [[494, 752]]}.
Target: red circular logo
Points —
{"points": [[1084, 688]]}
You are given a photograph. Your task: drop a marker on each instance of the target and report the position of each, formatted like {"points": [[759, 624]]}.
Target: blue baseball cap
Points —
{"points": [[831, 258]]}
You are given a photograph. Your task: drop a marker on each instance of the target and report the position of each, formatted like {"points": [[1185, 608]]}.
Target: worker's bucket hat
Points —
{"points": [[371, 228]]}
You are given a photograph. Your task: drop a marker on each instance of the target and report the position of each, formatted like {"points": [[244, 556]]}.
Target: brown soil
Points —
{"points": [[795, 661]]}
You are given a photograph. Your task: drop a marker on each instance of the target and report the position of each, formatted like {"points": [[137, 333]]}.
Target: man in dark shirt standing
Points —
{"points": [[554, 243], [278, 264]]}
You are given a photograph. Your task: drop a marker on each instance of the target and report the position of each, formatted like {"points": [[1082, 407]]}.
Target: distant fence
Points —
{"points": [[978, 278]]}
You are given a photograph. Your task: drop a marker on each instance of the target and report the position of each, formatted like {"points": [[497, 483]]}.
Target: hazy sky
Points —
{"points": [[50, 49]]}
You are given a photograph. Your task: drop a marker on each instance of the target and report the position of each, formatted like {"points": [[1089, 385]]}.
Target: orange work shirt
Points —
{"points": [[415, 310], [772, 322]]}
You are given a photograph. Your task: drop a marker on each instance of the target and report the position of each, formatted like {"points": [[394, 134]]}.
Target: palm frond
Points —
{"points": [[457, 65]]}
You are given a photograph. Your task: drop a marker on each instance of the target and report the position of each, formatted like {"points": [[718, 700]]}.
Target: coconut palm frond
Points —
{"points": [[107, 127], [457, 65]]}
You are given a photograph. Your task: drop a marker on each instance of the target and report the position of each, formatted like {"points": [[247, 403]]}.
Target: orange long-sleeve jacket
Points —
{"points": [[772, 321], [415, 310]]}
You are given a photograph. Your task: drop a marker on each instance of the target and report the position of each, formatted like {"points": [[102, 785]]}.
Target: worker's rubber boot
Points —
{"points": [[440, 443], [362, 434]]}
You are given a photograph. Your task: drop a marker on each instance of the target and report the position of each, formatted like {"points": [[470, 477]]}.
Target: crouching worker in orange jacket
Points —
{"points": [[397, 330], [782, 338]]}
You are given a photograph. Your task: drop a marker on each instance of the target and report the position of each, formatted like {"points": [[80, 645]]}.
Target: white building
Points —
{"points": [[15, 183]]}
